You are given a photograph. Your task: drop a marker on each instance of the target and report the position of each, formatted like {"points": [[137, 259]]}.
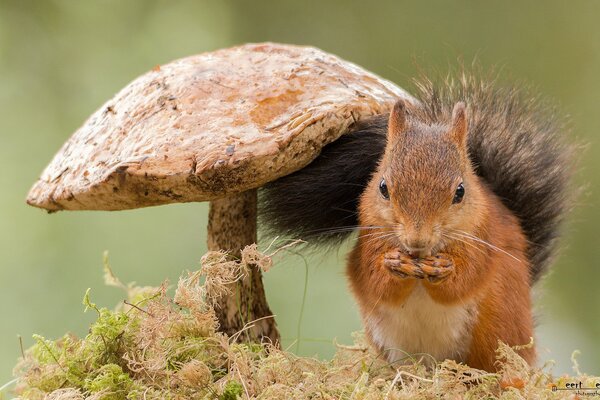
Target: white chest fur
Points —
{"points": [[422, 326]]}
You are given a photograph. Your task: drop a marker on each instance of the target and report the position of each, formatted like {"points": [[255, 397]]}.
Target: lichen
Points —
{"points": [[154, 346]]}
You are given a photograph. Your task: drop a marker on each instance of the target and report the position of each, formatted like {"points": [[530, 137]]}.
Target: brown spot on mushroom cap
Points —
{"points": [[167, 134]]}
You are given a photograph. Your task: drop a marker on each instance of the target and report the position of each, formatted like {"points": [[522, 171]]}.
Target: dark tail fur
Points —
{"points": [[319, 203], [516, 143]]}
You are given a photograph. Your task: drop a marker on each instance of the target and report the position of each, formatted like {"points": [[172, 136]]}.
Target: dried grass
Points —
{"points": [[158, 347]]}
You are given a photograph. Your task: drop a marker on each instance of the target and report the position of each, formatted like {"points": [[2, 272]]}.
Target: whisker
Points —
{"points": [[373, 234], [383, 236], [479, 240], [346, 227], [463, 241], [342, 229]]}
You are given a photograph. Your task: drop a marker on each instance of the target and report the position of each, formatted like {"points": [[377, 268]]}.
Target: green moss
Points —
{"points": [[108, 338], [45, 351], [111, 381], [232, 390], [187, 349]]}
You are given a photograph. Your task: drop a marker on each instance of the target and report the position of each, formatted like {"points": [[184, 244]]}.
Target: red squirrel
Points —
{"points": [[458, 200], [446, 274]]}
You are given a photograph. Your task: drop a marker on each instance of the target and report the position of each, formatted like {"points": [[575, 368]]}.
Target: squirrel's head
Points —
{"points": [[425, 185]]}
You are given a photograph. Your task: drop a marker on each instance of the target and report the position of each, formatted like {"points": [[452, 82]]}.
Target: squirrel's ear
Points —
{"points": [[397, 121], [460, 124]]}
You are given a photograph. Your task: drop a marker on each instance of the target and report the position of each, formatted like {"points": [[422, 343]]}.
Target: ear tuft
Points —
{"points": [[397, 121], [460, 124]]}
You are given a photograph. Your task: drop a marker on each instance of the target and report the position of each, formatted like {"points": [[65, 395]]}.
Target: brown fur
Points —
{"points": [[423, 163]]}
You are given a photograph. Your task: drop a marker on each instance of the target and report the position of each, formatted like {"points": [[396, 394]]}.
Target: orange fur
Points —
{"points": [[422, 166]]}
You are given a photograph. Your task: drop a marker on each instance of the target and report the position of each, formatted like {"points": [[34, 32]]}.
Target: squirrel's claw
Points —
{"points": [[402, 265], [435, 269]]}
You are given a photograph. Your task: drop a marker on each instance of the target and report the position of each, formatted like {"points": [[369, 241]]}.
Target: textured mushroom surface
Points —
{"points": [[208, 125]]}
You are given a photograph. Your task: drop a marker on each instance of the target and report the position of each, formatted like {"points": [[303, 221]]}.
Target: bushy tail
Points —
{"points": [[319, 203], [518, 146], [516, 143]]}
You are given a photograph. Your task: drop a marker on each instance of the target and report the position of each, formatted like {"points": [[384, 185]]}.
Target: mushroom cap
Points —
{"points": [[210, 125]]}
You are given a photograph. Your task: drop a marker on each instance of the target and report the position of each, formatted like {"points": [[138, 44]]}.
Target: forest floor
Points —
{"points": [[156, 346]]}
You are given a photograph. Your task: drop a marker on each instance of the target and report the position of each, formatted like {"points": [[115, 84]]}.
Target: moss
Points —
{"points": [[232, 391], [111, 381], [108, 338], [160, 347]]}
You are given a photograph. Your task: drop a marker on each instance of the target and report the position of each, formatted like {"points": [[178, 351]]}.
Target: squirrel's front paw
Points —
{"points": [[402, 265], [436, 268]]}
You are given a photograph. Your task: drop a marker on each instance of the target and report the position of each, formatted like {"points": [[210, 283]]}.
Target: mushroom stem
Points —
{"points": [[231, 227]]}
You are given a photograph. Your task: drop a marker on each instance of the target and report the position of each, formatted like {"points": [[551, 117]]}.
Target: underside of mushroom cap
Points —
{"points": [[209, 125]]}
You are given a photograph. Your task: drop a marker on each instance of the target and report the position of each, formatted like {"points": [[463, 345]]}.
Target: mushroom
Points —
{"points": [[214, 127]]}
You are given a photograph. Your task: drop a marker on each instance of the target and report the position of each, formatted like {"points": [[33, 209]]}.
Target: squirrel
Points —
{"points": [[458, 199]]}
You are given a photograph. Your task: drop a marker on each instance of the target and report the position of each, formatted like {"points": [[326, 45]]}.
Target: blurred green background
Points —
{"points": [[60, 60]]}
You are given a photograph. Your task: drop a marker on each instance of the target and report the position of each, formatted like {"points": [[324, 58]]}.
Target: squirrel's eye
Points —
{"points": [[459, 194], [384, 189]]}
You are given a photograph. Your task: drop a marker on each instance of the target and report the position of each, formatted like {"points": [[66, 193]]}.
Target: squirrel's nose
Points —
{"points": [[418, 252], [418, 248]]}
